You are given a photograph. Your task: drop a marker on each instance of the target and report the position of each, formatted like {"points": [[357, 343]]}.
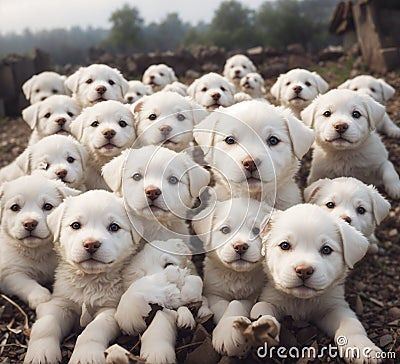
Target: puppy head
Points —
{"points": [[105, 129], [342, 119], [212, 91], [253, 84], [167, 119], [52, 116], [353, 201], [25, 204], [136, 91], [237, 67], [298, 87], [177, 87], [96, 83], [308, 250], [377, 88], [230, 232], [92, 231], [43, 85], [158, 75]]}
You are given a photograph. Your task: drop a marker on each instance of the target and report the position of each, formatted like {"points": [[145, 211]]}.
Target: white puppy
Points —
{"points": [[253, 85], [308, 252], [51, 116], [55, 157], [43, 85], [177, 87], [237, 67], [96, 83], [160, 186], [105, 129], [136, 91], [254, 150], [380, 91], [346, 142], [212, 91], [95, 242], [167, 119], [27, 258], [297, 88], [233, 274], [356, 203], [157, 76]]}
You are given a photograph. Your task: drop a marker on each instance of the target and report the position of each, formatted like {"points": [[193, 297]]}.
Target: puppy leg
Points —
{"points": [[204, 310], [94, 340], [373, 244], [390, 179], [116, 354], [185, 318], [388, 127]]}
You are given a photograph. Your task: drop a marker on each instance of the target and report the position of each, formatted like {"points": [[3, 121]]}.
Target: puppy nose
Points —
{"points": [[165, 129], [91, 245], [109, 133], [304, 271], [341, 127], [152, 192], [346, 218], [297, 89], [237, 72], [240, 248], [61, 121], [130, 99], [249, 164], [101, 89], [30, 224], [152, 77], [61, 173], [216, 96]]}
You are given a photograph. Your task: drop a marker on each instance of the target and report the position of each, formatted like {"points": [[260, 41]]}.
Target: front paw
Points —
{"points": [[46, 350], [116, 354], [358, 349], [37, 296], [89, 353], [160, 353], [185, 318]]}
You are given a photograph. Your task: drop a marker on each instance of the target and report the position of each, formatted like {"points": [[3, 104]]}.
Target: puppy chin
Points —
{"points": [[342, 144], [108, 150], [303, 292], [241, 265], [34, 241], [92, 266], [299, 102]]}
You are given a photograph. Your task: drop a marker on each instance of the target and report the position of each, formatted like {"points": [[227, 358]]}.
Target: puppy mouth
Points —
{"points": [[339, 139], [241, 264], [62, 132], [214, 106], [153, 84], [247, 85], [297, 98], [168, 142], [252, 180], [108, 146], [100, 99]]}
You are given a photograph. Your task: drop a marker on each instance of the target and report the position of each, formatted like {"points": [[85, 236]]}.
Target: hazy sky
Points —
{"points": [[16, 15]]}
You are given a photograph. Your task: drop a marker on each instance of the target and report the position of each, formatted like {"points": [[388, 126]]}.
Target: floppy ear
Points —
{"points": [[64, 190], [80, 149], [387, 90], [203, 224], [204, 132], [76, 126], [123, 83], [300, 135], [355, 245], [27, 87], [231, 87], [67, 91], [310, 193], [308, 114], [380, 206], [112, 172], [322, 85], [375, 110], [252, 66], [23, 161], [199, 112], [72, 82], [172, 76], [191, 90], [1, 197], [54, 220], [276, 87], [345, 84], [31, 115], [199, 177], [266, 227]]}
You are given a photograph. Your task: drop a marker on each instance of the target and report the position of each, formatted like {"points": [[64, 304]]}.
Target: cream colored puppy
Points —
{"points": [[254, 150], [27, 258], [212, 91], [96, 83], [346, 143], [308, 252], [51, 116], [136, 91], [43, 85], [233, 274], [105, 129], [297, 88], [167, 119], [380, 91], [356, 203], [253, 84], [157, 76], [237, 67], [95, 242]]}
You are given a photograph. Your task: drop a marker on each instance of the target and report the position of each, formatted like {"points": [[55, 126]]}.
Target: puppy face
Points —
{"points": [[96, 83], [52, 116], [212, 91], [377, 88], [40, 87], [351, 200], [298, 87], [158, 75], [167, 119], [105, 129], [253, 84], [92, 231], [230, 231], [136, 91], [25, 204], [237, 67], [308, 250]]}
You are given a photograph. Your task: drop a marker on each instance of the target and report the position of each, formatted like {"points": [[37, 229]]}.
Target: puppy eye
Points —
{"points": [[244, 66], [356, 114], [47, 115], [122, 123], [225, 230], [173, 180], [355, 89], [15, 207], [111, 82], [47, 206], [361, 210], [373, 90], [307, 83], [95, 124], [255, 230], [54, 91], [137, 176], [168, 264], [70, 159], [89, 80], [223, 88], [204, 89], [273, 140], [230, 140], [327, 114], [70, 114], [76, 225], [161, 74], [288, 83], [138, 94], [44, 165], [37, 90], [284, 245], [326, 250], [330, 205], [152, 117], [180, 117], [113, 227]]}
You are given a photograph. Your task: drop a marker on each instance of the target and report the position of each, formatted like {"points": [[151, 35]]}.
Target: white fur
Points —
{"points": [[178, 87], [253, 85], [137, 89], [237, 67], [157, 76]]}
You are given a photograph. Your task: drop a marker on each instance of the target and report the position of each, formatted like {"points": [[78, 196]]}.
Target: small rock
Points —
{"points": [[394, 313], [385, 340], [393, 232]]}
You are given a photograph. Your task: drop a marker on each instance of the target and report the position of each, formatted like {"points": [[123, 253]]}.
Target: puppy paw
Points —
{"points": [[204, 311], [46, 350], [185, 318], [174, 274], [227, 339], [89, 353], [37, 296], [358, 349], [116, 354], [159, 354]]}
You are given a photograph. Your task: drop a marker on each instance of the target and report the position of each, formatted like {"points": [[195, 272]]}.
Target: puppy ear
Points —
{"points": [[23, 161], [54, 220], [64, 190], [308, 114], [80, 149], [266, 227], [310, 193], [113, 170], [137, 229], [252, 66], [231, 88], [199, 112], [31, 115], [27, 87], [191, 90], [199, 177], [300, 135], [355, 245], [380, 206], [204, 132], [203, 222], [123, 83], [76, 126], [276, 87], [375, 111], [345, 84], [172, 76], [387, 90], [72, 82], [322, 85]]}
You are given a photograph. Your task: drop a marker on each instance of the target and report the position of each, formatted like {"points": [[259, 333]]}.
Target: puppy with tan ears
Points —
{"points": [[380, 91], [43, 85], [236, 67], [167, 119], [346, 143], [136, 91], [212, 91], [157, 76], [27, 258], [254, 150], [105, 129], [356, 203], [308, 252], [297, 88], [233, 274], [95, 242], [96, 83], [51, 116], [253, 85]]}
